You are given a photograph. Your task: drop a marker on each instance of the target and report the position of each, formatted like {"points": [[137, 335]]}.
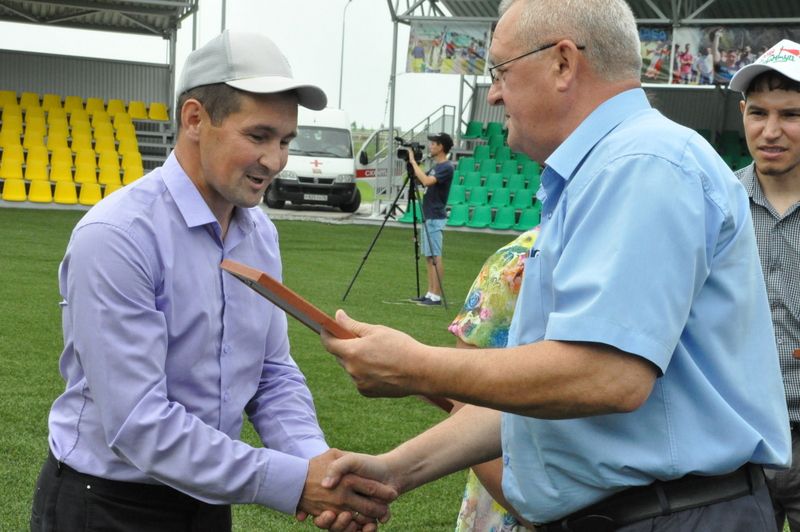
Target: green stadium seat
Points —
{"points": [[504, 218], [502, 154], [457, 195], [472, 179], [509, 167], [481, 152], [474, 130], [500, 198], [523, 198], [533, 183], [408, 216], [458, 215], [494, 181], [515, 182], [487, 166], [465, 164], [481, 217], [529, 218], [496, 141], [493, 128], [530, 168], [478, 196]]}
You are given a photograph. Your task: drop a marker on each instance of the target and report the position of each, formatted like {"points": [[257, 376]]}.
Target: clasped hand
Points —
{"points": [[353, 502]]}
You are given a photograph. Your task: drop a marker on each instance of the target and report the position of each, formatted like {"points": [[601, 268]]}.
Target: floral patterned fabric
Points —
{"points": [[483, 322]]}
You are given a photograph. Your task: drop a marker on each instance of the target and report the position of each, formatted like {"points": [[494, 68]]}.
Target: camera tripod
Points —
{"points": [[410, 184]]}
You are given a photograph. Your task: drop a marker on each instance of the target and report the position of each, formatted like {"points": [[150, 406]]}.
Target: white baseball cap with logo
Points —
{"points": [[246, 61], [783, 58]]}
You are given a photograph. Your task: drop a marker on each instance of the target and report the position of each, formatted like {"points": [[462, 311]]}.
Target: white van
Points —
{"points": [[321, 168]]}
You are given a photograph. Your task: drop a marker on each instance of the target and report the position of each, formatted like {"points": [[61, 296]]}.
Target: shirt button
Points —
{"points": [[226, 349], [780, 341], [226, 396]]}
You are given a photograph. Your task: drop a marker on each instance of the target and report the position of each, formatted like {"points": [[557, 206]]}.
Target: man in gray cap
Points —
{"points": [[771, 114], [163, 351]]}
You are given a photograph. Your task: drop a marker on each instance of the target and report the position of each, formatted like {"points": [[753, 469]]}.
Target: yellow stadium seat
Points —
{"points": [[9, 137], [36, 171], [40, 191], [37, 154], [108, 158], [105, 143], [103, 128], [65, 193], [85, 167], [126, 131], [121, 118], [81, 128], [34, 112], [10, 168], [80, 142], [56, 140], [86, 156], [62, 156], [60, 172], [94, 105], [7, 98], [131, 173], [13, 154], [72, 103], [115, 106], [11, 110], [79, 115], [137, 110], [158, 111], [14, 190], [29, 99], [128, 146], [109, 175], [90, 194], [109, 188], [131, 158], [58, 126], [56, 114], [51, 101], [12, 122], [101, 118], [35, 122], [33, 138]]}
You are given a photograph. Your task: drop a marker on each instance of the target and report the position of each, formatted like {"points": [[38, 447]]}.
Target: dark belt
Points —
{"points": [[659, 499]]}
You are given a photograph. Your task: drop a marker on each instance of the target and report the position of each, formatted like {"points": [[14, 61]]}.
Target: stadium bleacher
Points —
{"points": [[74, 150]]}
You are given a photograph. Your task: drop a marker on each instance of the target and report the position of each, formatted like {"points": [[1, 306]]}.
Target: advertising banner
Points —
{"points": [[448, 48]]}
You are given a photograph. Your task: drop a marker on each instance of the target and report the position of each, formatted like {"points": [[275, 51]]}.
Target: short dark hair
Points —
{"points": [[218, 99], [771, 81]]}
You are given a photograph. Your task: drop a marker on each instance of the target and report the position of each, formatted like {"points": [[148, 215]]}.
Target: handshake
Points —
{"points": [[347, 492]]}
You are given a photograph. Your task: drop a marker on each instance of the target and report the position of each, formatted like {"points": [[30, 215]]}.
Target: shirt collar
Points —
{"points": [[567, 158], [190, 203], [750, 182]]}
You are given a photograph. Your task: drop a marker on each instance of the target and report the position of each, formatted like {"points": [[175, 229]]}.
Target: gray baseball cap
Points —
{"points": [[246, 61], [783, 58]]}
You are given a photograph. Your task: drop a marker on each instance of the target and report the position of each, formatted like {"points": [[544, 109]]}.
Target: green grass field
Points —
{"points": [[319, 262]]}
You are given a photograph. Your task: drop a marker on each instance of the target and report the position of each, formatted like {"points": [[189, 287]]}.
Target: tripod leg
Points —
{"points": [[375, 239]]}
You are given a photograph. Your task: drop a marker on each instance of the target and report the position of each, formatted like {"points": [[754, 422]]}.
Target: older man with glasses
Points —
{"points": [[647, 393]]}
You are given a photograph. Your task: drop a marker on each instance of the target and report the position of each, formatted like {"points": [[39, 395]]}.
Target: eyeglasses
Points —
{"points": [[497, 76]]}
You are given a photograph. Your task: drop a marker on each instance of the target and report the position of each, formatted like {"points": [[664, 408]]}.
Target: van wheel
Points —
{"points": [[353, 205], [271, 202]]}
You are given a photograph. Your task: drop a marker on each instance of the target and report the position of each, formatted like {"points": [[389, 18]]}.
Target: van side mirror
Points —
{"points": [[362, 157]]}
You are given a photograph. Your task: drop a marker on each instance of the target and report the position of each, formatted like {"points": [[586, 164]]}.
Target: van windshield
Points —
{"points": [[322, 142]]}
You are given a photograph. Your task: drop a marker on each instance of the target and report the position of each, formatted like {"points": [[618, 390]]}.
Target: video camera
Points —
{"points": [[416, 147]]}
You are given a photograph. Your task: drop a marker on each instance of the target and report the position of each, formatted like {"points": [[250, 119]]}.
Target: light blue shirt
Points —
{"points": [[163, 351], [646, 245]]}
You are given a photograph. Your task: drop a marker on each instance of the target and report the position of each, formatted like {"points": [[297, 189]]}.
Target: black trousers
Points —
{"points": [[68, 501]]}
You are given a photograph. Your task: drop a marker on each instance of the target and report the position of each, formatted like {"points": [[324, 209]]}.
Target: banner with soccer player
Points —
{"points": [[448, 47]]}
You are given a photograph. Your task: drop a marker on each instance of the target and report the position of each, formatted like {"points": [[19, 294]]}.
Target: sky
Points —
{"points": [[310, 34]]}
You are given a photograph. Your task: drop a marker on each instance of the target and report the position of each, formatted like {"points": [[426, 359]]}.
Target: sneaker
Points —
{"points": [[429, 302], [417, 299]]}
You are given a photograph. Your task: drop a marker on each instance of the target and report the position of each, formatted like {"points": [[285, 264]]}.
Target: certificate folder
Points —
{"points": [[285, 298], [299, 308]]}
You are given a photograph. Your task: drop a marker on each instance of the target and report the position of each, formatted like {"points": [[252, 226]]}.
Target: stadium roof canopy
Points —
{"points": [[666, 12], [143, 17]]}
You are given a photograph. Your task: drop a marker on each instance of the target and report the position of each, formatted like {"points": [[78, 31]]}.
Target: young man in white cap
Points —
{"points": [[163, 351], [437, 184], [771, 115]]}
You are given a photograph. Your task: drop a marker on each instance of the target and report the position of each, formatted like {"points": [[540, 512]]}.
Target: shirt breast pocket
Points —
{"points": [[528, 324]]}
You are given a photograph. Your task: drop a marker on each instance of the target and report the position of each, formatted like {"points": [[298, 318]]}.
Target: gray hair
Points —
{"points": [[606, 27]]}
